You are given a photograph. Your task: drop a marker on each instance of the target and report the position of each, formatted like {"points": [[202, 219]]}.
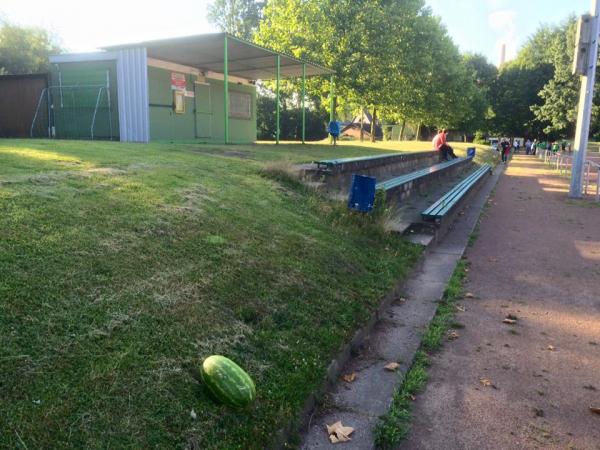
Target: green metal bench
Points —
{"points": [[407, 178], [441, 208]]}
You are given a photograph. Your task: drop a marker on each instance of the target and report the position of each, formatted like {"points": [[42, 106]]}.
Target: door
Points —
{"points": [[203, 105]]}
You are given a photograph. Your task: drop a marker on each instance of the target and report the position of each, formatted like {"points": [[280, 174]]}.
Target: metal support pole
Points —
{"points": [[277, 99], [226, 89], [303, 103], [331, 104], [331, 94], [587, 176], [586, 95]]}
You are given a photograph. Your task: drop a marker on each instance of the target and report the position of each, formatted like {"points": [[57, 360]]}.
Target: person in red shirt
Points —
{"points": [[505, 146], [440, 144]]}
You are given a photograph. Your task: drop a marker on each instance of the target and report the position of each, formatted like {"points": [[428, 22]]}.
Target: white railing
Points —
{"points": [[563, 163]]}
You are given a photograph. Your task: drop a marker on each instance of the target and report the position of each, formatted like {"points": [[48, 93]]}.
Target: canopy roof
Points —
{"points": [[245, 59]]}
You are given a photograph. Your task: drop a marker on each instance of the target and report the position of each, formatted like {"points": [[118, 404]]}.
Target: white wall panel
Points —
{"points": [[132, 77]]}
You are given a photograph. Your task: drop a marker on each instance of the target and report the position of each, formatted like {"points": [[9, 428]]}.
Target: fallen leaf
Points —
{"points": [[485, 381], [339, 433], [350, 377], [392, 367], [460, 308], [551, 347], [493, 259], [509, 321], [401, 300], [469, 295], [595, 409], [412, 397], [453, 335]]}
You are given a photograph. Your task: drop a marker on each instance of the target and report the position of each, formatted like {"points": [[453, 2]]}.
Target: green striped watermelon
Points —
{"points": [[227, 381]]}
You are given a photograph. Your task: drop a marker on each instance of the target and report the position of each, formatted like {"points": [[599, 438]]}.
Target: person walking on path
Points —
{"points": [[527, 147], [334, 130], [505, 150]]}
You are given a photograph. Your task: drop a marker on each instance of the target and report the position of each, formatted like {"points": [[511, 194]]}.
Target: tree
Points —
{"points": [[25, 49], [558, 109], [513, 93], [238, 17], [392, 56], [482, 76]]}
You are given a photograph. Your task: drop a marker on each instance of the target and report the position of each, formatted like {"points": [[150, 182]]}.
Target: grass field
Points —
{"points": [[123, 266]]}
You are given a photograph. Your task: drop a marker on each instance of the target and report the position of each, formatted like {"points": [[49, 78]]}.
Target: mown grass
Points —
{"points": [[395, 425], [123, 266]]}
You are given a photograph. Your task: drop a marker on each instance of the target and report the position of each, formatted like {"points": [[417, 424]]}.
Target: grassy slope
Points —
{"points": [[124, 265]]}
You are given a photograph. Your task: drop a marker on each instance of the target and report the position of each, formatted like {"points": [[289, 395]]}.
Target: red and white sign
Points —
{"points": [[177, 81]]}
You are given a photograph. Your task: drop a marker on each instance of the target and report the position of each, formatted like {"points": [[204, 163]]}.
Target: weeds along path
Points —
{"points": [[528, 384]]}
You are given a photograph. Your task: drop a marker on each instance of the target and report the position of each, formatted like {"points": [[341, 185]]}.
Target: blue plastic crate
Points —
{"points": [[362, 193]]}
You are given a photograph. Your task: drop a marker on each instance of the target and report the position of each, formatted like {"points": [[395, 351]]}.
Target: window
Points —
{"points": [[179, 102], [240, 105]]}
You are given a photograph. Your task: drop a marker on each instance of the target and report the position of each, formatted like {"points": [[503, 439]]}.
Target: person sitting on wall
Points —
{"points": [[334, 130], [440, 144]]}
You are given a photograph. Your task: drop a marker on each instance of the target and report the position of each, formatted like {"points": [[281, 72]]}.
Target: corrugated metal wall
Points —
{"points": [[132, 77]]}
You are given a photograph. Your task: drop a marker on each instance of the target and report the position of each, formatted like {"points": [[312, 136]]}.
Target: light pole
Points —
{"points": [[586, 56]]}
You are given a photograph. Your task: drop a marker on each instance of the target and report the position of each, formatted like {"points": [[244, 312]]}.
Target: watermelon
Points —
{"points": [[227, 381]]}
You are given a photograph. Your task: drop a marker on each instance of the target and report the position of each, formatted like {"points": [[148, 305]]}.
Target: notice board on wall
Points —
{"points": [[178, 81]]}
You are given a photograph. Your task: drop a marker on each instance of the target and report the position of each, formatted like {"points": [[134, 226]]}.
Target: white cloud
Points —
{"points": [[503, 23]]}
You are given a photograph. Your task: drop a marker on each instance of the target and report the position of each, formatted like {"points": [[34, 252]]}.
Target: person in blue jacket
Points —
{"points": [[334, 130]]}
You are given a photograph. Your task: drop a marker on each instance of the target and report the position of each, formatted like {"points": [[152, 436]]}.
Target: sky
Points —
{"points": [[482, 26], [475, 25]]}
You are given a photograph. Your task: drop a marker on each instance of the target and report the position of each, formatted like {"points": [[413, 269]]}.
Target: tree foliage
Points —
{"points": [[393, 55], [238, 17], [512, 94], [548, 57], [25, 49], [558, 107]]}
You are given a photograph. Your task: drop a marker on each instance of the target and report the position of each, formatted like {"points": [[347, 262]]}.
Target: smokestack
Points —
{"points": [[502, 55]]}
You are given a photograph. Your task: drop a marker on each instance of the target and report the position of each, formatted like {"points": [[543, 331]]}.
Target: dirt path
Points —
{"points": [[527, 385]]}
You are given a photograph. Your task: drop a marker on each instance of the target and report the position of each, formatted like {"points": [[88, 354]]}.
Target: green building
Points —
{"points": [[190, 88]]}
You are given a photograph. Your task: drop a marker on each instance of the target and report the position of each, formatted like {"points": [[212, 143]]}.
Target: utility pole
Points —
{"points": [[584, 64]]}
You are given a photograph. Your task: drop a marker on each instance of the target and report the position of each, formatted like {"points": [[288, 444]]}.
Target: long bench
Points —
{"points": [[443, 208], [336, 174], [403, 186]]}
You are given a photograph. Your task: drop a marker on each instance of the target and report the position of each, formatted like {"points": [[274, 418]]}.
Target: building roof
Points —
{"points": [[245, 59]]}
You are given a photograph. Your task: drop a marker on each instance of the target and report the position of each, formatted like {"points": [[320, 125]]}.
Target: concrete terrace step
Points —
{"points": [[336, 174], [396, 336], [402, 187]]}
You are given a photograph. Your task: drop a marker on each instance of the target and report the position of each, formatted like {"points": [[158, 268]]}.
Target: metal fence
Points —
{"points": [[563, 163], [74, 112]]}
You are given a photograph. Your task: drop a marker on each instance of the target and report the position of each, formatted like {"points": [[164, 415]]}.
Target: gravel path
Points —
{"points": [[528, 385]]}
